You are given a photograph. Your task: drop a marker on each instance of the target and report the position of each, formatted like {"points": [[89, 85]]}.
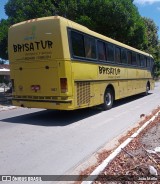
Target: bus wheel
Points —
{"points": [[147, 89], [108, 99]]}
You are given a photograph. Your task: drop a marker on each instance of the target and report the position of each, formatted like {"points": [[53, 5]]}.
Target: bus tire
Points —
{"points": [[147, 89], [108, 99]]}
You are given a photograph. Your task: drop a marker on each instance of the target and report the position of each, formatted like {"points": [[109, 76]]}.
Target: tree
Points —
{"points": [[153, 46], [4, 24], [19, 10], [152, 36], [118, 19], [156, 55]]}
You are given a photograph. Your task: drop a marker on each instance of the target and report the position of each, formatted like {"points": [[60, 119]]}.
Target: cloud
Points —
{"points": [[146, 1]]}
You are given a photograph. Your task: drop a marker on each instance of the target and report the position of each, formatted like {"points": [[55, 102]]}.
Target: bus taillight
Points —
{"points": [[63, 83]]}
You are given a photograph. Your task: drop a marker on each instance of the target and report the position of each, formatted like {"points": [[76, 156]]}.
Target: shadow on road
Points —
{"points": [[129, 99], [52, 117], [64, 118]]}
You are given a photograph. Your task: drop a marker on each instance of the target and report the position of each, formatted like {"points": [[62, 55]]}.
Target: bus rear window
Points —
{"points": [[77, 40]]}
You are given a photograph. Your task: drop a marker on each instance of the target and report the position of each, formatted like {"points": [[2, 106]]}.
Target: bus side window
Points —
{"points": [[77, 41], [152, 66], [151, 63], [123, 56], [134, 59], [118, 55], [90, 47], [129, 57], [110, 52], [141, 60], [101, 51], [145, 61], [138, 60], [148, 62]]}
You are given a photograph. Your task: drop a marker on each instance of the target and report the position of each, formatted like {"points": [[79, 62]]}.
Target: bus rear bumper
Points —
{"points": [[56, 105]]}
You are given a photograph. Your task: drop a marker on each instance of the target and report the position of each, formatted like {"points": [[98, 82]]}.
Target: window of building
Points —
{"points": [[101, 50], [77, 41]]}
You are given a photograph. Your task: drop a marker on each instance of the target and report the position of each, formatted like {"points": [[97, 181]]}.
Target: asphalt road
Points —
{"points": [[38, 141]]}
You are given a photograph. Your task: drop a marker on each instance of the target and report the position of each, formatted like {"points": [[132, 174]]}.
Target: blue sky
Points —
{"points": [[2, 11], [147, 8]]}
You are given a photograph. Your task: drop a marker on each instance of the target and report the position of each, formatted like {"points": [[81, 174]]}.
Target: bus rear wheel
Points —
{"points": [[147, 89], [108, 99]]}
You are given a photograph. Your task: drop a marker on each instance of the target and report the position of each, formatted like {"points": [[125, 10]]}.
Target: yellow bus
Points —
{"points": [[58, 64]]}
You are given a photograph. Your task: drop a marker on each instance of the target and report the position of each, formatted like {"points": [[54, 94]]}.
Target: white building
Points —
{"points": [[4, 72]]}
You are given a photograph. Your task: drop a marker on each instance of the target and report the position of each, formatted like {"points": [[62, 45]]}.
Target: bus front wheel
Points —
{"points": [[108, 99]]}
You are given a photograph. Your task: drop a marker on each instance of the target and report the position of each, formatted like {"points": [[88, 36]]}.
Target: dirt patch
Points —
{"points": [[133, 162], [138, 162]]}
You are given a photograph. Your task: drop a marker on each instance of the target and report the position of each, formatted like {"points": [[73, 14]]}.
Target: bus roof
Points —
{"points": [[78, 27]]}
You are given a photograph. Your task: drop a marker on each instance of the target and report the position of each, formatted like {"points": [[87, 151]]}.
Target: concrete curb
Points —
{"points": [[103, 165]]}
